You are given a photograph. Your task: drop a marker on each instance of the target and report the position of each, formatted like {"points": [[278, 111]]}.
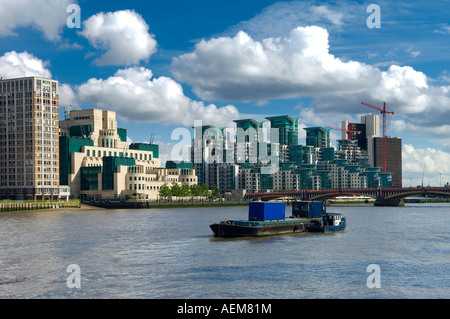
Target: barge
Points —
{"points": [[268, 218]]}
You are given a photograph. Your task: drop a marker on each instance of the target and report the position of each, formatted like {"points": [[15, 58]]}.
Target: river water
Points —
{"points": [[171, 254]]}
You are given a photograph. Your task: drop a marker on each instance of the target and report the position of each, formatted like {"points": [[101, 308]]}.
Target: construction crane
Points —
{"points": [[383, 112], [348, 131]]}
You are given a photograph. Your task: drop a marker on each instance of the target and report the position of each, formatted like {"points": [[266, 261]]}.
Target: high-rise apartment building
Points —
{"points": [[29, 139], [316, 165], [317, 137]]}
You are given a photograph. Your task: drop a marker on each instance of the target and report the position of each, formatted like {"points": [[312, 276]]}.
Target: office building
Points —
{"points": [[97, 161], [393, 157]]}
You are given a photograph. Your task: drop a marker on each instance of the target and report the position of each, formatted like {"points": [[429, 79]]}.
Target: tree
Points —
{"points": [[215, 192], [185, 190], [165, 191], [204, 191], [176, 189], [195, 190]]}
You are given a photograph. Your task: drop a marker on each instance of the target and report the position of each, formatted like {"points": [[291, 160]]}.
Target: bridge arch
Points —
{"points": [[338, 194], [418, 192], [269, 197]]}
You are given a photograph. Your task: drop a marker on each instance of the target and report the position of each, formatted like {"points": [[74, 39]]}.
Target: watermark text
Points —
{"points": [[374, 19], [374, 279], [74, 280], [74, 19]]}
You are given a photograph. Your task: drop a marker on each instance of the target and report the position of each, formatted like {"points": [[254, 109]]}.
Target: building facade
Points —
{"points": [[393, 157], [315, 165], [29, 139], [98, 162]]}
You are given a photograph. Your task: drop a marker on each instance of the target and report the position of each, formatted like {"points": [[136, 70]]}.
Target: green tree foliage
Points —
{"points": [[215, 192], [204, 191], [195, 190], [165, 191], [186, 191], [176, 189]]}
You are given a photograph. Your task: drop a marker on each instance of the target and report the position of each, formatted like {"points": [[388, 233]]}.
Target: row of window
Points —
{"points": [[121, 154], [20, 102], [28, 176], [17, 85], [47, 169], [18, 94], [147, 179], [13, 136], [21, 169], [27, 108], [143, 187], [19, 183]]}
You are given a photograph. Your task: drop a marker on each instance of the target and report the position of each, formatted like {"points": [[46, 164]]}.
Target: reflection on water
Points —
{"points": [[171, 253]]}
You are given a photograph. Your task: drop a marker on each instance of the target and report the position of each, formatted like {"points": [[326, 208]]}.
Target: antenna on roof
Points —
{"points": [[185, 154], [67, 110], [152, 138], [423, 175]]}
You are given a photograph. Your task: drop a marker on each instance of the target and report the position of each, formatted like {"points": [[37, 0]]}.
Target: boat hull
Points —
{"points": [[229, 230], [326, 229]]}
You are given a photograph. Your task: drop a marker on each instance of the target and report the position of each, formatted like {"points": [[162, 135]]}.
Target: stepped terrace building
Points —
{"points": [[98, 162]]}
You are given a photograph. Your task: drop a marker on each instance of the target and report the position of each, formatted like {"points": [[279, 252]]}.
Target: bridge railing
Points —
{"points": [[379, 193]]}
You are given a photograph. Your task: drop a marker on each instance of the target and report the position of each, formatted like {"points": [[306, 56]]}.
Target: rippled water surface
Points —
{"points": [[171, 253]]}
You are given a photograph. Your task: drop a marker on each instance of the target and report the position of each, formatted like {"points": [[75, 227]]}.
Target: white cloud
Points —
{"points": [[284, 16], [240, 68], [243, 69], [443, 29], [122, 34], [47, 16], [14, 65], [329, 14], [434, 163], [24, 64], [135, 95], [67, 96]]}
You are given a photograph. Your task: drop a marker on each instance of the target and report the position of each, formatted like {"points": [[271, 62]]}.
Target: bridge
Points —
{"points": [[383, 196]]}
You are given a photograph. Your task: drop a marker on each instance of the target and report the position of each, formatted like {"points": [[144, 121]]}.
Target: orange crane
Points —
{"points": [[383, 112]]}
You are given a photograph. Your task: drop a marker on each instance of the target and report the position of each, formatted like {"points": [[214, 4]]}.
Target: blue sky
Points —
{"points": [[163, 64]]}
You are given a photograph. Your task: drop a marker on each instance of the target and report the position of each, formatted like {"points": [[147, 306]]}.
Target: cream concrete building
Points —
{"points": [[98, 162]]}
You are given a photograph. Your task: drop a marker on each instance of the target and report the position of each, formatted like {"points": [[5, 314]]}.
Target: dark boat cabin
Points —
{"points": [[308, 209]]}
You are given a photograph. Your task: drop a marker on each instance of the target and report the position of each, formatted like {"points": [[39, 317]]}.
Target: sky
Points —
{"points": [[162, 65]]}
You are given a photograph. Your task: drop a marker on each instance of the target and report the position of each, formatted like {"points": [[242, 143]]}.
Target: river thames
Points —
{"points": [[171, 254]]}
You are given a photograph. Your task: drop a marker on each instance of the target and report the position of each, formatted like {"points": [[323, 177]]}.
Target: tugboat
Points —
{"points": [[331, 222], [268, 218]]}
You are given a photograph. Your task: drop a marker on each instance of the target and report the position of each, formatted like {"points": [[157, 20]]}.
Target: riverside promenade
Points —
{"points": [[13, 206]]}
